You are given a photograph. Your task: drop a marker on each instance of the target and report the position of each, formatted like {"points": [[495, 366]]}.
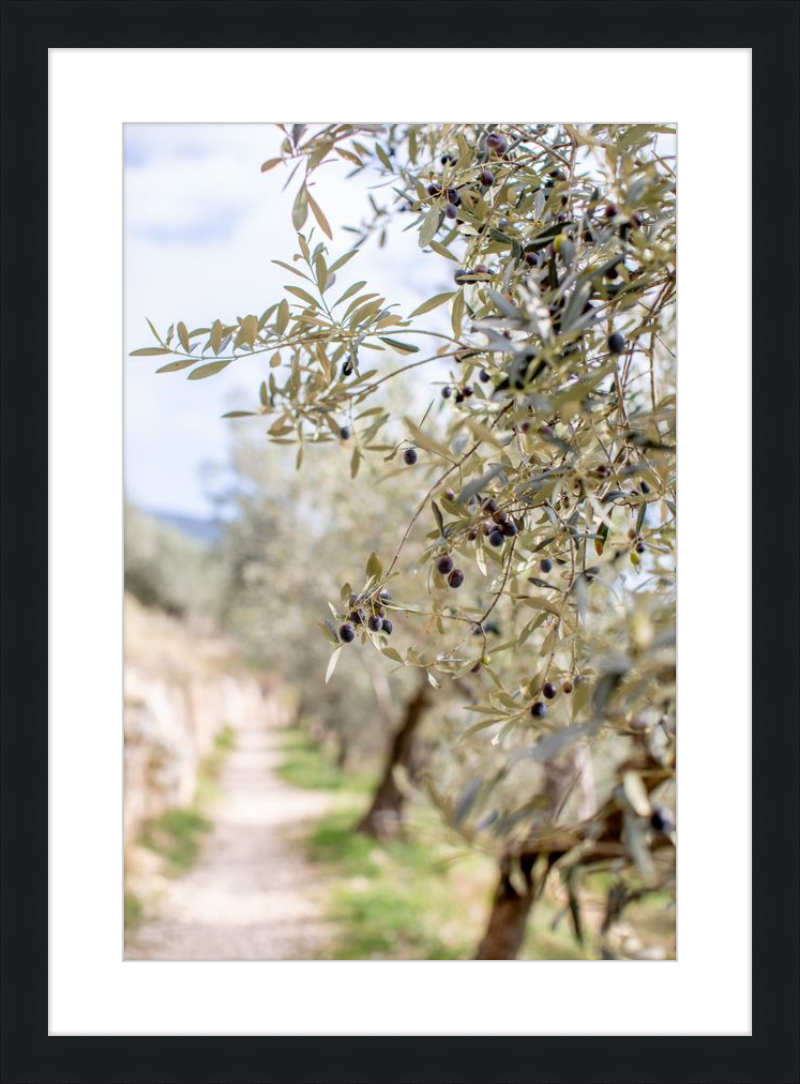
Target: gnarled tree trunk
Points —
{"points": [[385, 814], [512, 904]]}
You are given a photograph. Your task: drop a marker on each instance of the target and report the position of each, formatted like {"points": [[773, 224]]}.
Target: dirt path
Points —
{"points": [[252, 895]]}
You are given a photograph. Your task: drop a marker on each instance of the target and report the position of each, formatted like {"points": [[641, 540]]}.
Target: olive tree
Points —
{"points": [[538, 424]]}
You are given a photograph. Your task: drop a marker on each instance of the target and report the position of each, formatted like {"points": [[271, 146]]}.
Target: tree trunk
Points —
{"points": [[385, 814], [510, 910], [511, 907]]}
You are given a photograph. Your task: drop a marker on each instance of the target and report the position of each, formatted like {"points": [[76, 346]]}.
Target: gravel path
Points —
{"points": [[251, 895]]}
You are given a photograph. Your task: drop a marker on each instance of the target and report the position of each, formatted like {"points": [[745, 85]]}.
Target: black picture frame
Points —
{"points": [[771, 28]]}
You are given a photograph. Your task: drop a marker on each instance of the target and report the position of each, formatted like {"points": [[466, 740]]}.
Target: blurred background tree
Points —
{"points": [[167, 569]]}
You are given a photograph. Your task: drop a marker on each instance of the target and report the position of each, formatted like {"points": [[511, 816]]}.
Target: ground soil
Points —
{"points": [[251, 895]]}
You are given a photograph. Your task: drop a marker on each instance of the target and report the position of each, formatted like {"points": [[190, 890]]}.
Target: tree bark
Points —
{"points": [[511, 907], [385, 814], [509, 914]]}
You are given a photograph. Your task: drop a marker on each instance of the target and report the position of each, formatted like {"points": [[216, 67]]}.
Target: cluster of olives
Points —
{"points": [[452, 195], [444, 565], [461, 393], [366, 611], [495, 144], [497, 525], [549, 692]]}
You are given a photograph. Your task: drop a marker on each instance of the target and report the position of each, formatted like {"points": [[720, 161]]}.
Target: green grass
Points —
{"points": [[305, 766], [177, 835], [389, 901], [134, 912], [211, 767], [396, 900], [417, 897]]}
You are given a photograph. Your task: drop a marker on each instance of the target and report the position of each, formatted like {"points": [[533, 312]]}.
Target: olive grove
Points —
{"points": [[528, 414]]}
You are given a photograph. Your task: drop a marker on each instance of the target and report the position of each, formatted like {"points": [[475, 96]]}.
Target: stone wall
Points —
{"points": [[181, 690]]}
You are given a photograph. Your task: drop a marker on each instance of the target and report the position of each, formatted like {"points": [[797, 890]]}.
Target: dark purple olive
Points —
{"points": [[538, 710], [549, 690], [347, 634], [456, 578], [616, 343], [496, 143], [445, 564], [410, 456]]}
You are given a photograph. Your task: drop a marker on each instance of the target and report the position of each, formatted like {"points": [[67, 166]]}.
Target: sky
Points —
{"points": [[202, 224]]}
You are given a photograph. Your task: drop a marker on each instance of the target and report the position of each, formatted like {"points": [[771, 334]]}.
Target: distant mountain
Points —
{"points": [[203, 531]]}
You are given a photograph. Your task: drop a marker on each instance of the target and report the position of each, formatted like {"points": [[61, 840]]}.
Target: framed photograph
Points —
{"points": [[344, 643]]}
